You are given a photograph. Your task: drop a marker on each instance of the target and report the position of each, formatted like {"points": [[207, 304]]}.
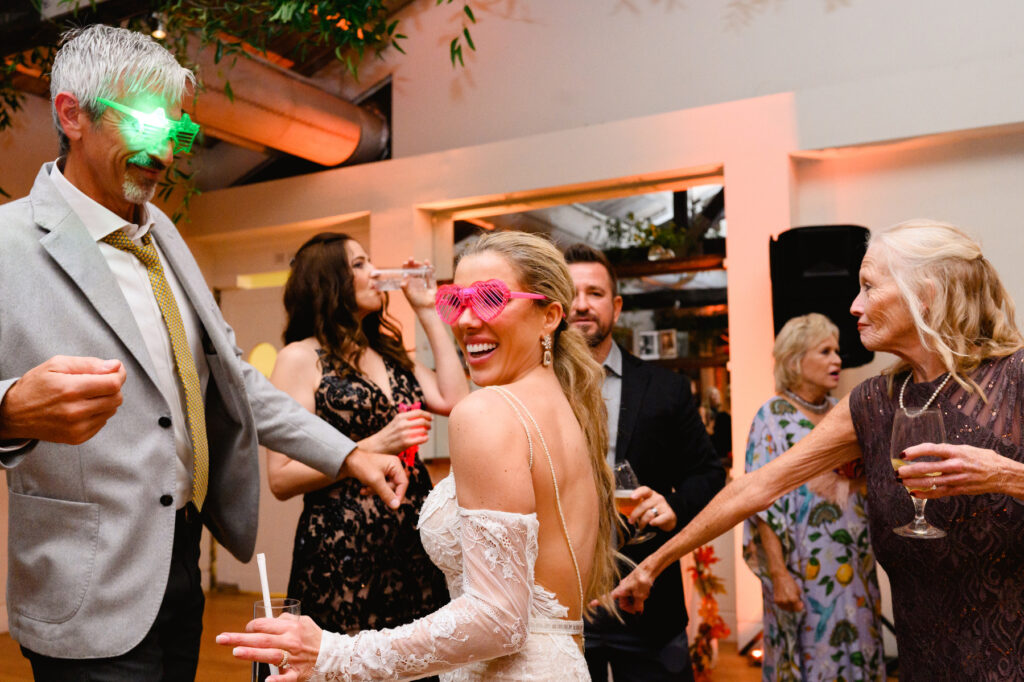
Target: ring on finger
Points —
{"points": [[654, 511], [283, 665]]}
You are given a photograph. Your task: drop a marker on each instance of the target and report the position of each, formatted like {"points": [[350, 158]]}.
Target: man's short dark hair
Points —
{"points": [[585, 253]]}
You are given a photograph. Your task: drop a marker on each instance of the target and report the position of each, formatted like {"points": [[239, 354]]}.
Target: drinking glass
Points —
{"points": [[625, 483], [911, 428], [390, 279], [261, 671]]}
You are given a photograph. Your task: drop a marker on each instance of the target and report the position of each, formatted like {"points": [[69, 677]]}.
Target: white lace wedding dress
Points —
{"points": [[499, 626]]}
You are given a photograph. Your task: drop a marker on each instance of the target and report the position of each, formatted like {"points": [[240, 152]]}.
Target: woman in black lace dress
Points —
{"points": [[357, 564], [930, 297]]}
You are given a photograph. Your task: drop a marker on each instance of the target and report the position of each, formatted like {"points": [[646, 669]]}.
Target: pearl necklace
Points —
{"points": [[817, 408], [927, 404]]}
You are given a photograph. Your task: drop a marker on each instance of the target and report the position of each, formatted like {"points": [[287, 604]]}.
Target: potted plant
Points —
{"points": [[630, 239]]}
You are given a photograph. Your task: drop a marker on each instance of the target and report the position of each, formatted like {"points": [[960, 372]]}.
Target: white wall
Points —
{"points": [[972, 181], [542, 66], [25, 146]]}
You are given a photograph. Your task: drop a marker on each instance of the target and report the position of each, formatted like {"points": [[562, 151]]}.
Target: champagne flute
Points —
{"points": [[625, 483], [911, 428]]}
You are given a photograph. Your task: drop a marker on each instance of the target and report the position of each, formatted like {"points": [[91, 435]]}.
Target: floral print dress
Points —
{"points": [[822, 527], [357, 564]]}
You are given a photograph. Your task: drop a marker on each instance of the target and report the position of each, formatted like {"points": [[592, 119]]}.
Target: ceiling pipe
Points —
{"points": [[278, 109]]}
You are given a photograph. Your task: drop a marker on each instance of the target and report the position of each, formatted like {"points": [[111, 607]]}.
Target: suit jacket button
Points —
{"points": [[164, 422], [166, 500]]}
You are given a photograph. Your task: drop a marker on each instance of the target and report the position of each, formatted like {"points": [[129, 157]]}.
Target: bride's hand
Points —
{"points": [[266, 640]]}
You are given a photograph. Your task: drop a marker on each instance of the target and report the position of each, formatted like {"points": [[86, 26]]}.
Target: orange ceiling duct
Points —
{"points": [[275, 108]]}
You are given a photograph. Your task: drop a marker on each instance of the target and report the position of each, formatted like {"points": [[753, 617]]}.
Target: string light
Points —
{"points": [[159, 32]]}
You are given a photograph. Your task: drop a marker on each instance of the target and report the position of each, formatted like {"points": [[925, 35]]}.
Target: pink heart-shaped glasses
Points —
{"points": [[487, 299]]}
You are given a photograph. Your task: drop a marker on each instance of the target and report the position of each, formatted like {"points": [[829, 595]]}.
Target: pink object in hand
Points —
{"points": [[408, 456]]}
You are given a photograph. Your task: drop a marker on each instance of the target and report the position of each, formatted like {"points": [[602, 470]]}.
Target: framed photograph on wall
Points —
{"points": [[647, 345], [667, 343]]}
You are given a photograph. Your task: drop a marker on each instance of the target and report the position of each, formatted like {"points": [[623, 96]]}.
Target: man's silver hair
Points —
{"points": [[103, 61]]}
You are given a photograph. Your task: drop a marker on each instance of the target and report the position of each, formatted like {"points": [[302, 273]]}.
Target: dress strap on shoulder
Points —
{"points": [[507, 395], [519, 408]]}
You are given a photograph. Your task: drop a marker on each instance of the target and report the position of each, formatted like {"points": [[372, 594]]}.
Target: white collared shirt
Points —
{"points": [[133, 279], [611, 391]]}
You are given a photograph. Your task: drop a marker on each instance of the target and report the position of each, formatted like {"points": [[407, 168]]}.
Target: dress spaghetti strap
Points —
{"points": [[519, 408]]}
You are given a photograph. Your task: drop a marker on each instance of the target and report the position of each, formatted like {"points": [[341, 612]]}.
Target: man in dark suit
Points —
{"points": [[654, 425]]}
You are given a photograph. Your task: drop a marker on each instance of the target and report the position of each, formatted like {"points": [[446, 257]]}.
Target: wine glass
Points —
{"points": [[911, 428], [625, 483]]}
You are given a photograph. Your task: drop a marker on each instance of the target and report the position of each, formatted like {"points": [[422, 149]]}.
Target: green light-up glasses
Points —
{"points": [[152, 129]]}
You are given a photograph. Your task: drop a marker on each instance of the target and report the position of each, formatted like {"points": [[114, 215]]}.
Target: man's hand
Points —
{"points": [[652, 510], [384, 474], [64, 400]]}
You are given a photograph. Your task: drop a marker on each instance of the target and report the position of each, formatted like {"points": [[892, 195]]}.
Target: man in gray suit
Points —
{"points": [[127, 419]]}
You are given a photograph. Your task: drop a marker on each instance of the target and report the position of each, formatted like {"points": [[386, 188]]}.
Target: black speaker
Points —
{"points": [[815, 270]]}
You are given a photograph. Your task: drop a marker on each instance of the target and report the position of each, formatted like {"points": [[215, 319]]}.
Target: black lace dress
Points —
{"points": [[958, 601], [357, 564]]}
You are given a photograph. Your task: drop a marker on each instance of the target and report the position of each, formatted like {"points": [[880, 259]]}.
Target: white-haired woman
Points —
{"points": [[929, 296], [811, 548]]}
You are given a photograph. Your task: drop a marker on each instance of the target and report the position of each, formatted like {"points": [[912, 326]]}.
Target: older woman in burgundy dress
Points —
{"points": [[930, 297]]}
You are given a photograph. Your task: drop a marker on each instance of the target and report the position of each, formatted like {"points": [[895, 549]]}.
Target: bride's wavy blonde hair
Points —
{"points": [[541, 269], [959, 306]]}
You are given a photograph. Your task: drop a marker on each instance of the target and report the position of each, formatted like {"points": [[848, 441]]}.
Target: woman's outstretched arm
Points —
{"points": [[832, 442]]}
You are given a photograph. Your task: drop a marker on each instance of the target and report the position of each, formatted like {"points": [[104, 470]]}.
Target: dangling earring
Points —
{"points": [[545, 342]]}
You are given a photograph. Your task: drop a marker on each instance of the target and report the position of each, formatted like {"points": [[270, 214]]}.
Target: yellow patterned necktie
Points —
{"points": [[184, 363]]}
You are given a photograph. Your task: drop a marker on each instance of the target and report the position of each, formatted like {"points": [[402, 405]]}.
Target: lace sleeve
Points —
{"points": [[489, 619]]}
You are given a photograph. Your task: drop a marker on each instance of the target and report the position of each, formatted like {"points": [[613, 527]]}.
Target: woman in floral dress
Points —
{"points": [[811, 547]]}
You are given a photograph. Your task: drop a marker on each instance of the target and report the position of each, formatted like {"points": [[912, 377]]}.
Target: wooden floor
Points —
{"points": [[232, 611]]}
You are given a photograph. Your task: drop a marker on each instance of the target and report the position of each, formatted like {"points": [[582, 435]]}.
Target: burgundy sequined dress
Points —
{"points": [[959, 600]]}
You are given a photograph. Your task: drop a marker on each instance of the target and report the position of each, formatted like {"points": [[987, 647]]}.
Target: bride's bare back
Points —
{"points": [[500, 436]]}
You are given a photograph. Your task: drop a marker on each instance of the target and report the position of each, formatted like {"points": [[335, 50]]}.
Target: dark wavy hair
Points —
{"points": [[320, 302]]}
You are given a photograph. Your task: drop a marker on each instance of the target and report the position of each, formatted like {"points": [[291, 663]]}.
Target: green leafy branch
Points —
{"points": [[455, 46]]}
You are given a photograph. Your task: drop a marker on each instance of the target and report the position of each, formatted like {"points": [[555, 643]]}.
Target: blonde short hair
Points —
{"points": [[797, 336], [958, 304]]}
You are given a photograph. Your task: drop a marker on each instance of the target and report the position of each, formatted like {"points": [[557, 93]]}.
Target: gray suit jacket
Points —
{"points": [[90, 527]]}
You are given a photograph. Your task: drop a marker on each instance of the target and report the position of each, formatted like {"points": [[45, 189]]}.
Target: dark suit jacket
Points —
{"points": [[663, 438]]}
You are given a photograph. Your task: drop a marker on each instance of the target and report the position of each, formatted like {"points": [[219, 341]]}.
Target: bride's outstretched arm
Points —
{"points": [[489, 619], [831, 443]]}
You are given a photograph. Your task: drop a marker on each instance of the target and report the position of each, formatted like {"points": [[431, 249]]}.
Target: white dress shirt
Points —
{"points": [[133, 279], [611, 391]]}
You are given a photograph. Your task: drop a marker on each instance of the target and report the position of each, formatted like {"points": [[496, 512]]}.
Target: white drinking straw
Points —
{"points": [[261, 563]]}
